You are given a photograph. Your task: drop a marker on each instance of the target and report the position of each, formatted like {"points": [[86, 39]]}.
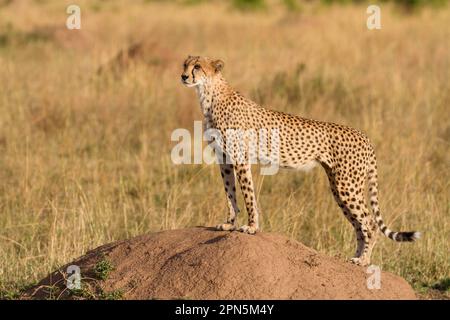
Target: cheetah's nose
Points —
{"points": [[184, 77]]}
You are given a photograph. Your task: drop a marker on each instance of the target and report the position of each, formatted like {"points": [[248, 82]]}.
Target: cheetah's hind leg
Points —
{"points": [[355, 209]]}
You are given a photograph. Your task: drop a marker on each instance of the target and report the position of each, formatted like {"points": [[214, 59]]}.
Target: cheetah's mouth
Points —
{"points": [[189, 85]]}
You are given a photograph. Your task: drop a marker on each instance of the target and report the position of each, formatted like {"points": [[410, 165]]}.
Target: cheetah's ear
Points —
{"points": [[218, 65]]}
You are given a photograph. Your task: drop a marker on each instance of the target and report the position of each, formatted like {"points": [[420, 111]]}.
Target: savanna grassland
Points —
{"points": [[85, 140]]}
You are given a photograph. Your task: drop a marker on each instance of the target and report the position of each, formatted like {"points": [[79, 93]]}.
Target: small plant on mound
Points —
{"points": [[103, 269], [113, 295], [86, 292]]}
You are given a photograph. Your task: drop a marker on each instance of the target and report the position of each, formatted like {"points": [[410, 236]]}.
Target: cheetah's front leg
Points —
{"points": [[244, 176], [227, 173]]}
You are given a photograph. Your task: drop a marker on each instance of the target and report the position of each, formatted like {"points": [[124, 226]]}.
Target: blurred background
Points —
{"points": [[86, 118]]}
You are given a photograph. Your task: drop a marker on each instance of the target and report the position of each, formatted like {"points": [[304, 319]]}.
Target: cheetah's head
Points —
{"points": [[197, 70]]}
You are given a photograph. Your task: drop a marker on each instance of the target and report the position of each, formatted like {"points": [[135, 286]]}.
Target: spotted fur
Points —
{"points": [[345, 153]]}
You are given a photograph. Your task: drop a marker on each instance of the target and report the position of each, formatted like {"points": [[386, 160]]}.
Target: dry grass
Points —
{"points": [[85, 158]]}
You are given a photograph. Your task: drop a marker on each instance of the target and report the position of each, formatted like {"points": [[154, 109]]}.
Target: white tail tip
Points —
{"points": [[416, 235]]}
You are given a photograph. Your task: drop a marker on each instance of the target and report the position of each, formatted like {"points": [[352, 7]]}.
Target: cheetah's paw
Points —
{"points": [[248, 229], [358, 262], [226, 227]]}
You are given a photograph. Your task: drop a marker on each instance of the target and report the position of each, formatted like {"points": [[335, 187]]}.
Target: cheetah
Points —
{"points": [[346, 155]]}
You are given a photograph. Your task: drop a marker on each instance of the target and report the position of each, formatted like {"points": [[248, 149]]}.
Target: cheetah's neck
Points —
{"points": [[210, 92], [205, 97]]}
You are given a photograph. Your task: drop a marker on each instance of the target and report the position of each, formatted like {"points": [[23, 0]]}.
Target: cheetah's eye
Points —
{"points": [[197, 66]]}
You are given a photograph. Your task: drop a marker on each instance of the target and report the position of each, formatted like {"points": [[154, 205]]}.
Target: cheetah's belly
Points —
{"points": [[306, 166]]}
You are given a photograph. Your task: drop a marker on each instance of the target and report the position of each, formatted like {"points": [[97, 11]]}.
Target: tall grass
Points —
{"points": [[85, 158]]}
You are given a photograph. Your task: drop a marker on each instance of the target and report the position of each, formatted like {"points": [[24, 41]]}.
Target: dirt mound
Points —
{"points": [[200, 263]]}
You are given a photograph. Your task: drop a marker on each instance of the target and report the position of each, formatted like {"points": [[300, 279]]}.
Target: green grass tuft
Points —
{"points": [[103, 269]]}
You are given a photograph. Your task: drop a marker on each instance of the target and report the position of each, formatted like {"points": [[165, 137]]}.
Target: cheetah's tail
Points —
{"points": [[407, 236]]}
